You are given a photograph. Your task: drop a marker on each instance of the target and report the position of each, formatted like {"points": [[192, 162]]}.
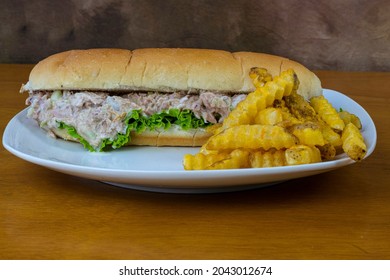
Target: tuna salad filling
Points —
{"points": [[100, 119]]}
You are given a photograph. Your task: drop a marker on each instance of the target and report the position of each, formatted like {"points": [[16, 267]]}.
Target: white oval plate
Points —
{"points": [[160, 168]]}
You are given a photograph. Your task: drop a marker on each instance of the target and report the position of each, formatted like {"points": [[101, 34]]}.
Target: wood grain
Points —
{"points": [[343, 214], [316, 33]]}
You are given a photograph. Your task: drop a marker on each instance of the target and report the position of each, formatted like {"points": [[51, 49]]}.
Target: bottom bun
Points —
{"points": [[171, 137], [174, 136]]}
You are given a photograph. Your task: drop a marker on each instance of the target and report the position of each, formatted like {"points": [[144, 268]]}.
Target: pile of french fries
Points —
{"points": [[275, 126]]}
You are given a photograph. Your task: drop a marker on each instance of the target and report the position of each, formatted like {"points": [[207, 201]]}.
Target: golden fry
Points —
{"points": [[331, 136], [259, 76], [288, 120], [213, 128], [301, 154], [270, 158], [288, 80], [353, 142], [327, 151], [273, 91], [350, 118], [258, 100], [251, 137], [269, 116], [238, 158], [326, 111], [300, 108], [201, 161], [246, 110], [308, 134]]}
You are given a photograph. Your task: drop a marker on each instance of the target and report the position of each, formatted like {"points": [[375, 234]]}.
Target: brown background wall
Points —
{"points": [[348, 35]]}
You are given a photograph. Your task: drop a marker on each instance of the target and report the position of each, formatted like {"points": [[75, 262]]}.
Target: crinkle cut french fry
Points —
{"points": [[301, 154], [350, 118], [327, 151], [288, 120], [289, 80], [269, 116], [273, 91], [353, 142], [251, 137], [259, 76], [238, 158], [213, 128], [247, 109], [326, 111], [271, 158], [282, 85], [308, 134], [300, 108], [201, 161], [331, 136]]}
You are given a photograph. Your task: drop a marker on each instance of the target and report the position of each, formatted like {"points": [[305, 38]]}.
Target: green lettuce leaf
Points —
{"points": [[72, 132], [138, 122]]}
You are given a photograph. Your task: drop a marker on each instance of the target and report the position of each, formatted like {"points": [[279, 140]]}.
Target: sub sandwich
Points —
{"points": [[109, 98]]}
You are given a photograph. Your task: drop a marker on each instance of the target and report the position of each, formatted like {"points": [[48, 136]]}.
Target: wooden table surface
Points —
{"points": [[342, 214]]}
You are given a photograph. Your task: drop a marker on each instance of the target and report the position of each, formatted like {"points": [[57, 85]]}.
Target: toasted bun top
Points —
{"points": [[161, 70]]}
